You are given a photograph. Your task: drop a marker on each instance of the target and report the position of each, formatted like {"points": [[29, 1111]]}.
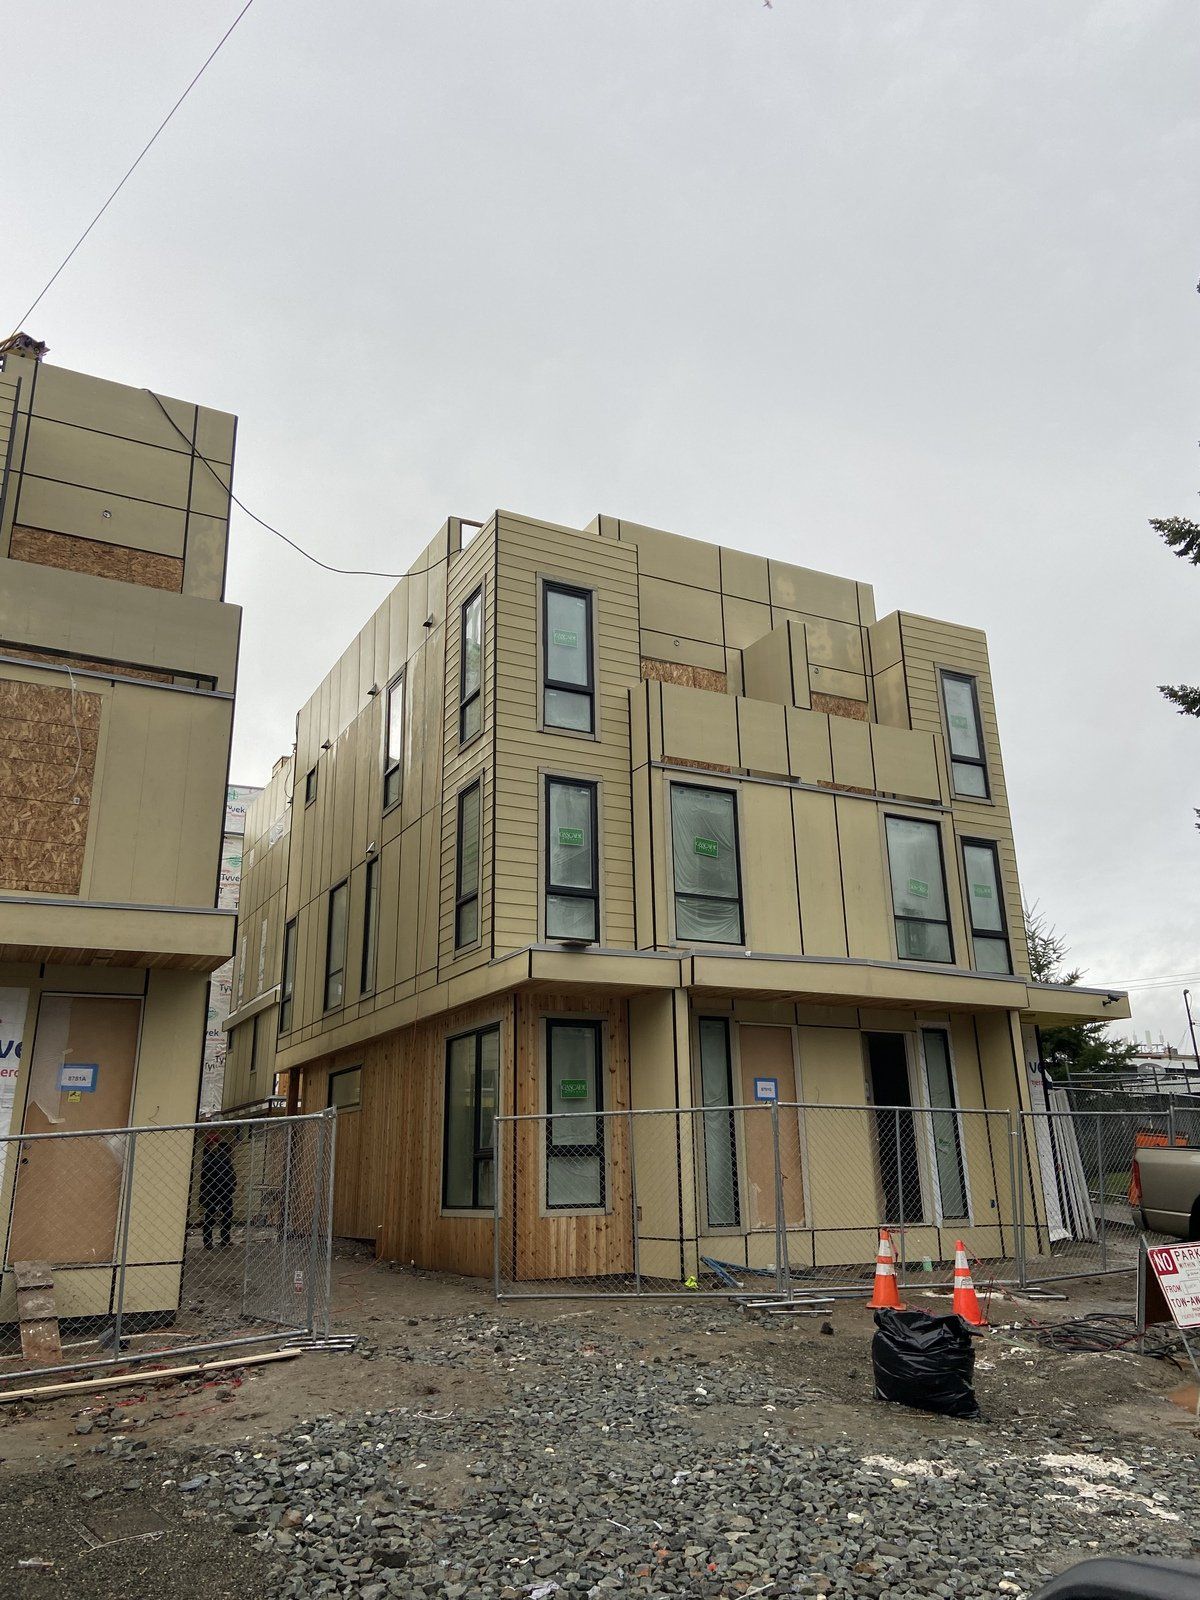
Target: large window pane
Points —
{"points": [[470, 686], [466, 910], [335, 948], [574, 1128], [569, 917], [393, 755], [916, 863], [288, 986], [969, 780], [458, 1179], [568, 647], [922, 941], [705, 864], [571, 711], [985, 907], [571, 839], [720, 1150], [960, 715], [947, 1134]]}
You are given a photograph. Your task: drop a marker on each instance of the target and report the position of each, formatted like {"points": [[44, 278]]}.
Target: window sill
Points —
{"points": [[568, 733]]}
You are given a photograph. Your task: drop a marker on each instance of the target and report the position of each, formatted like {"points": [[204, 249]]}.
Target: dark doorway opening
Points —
{"points": [[895, 1128]]}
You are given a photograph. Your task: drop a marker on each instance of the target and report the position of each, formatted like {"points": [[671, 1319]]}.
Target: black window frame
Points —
{"points": [[466, 701], [370, 927], [480, 1153], [569, 891], [723, 1116], [992, 846], [955, 1110], [344, 1072], [393, 765], [947, 674], [554, 586], [253, 1045], [935, 922], [287, 980], [464, 897], [556, 1152], [310, 786], [676, 895], [340, 972]]}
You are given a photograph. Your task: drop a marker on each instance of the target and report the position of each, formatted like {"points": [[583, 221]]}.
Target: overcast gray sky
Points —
{"points": [[902, 291]]}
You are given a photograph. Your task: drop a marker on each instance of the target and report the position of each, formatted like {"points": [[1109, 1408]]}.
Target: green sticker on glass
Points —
{"points": [[921, 890], [572, 1089], [565, 639], [960, 722], [983, 890], [706, 847], [571, 836]]}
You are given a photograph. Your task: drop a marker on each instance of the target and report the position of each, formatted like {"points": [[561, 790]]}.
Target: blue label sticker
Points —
{"points": [[79, 1075], [766, 1089]]}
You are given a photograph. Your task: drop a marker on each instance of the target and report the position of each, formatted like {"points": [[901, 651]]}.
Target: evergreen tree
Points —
{"points": [[1081, 1046], [1183, 537]]}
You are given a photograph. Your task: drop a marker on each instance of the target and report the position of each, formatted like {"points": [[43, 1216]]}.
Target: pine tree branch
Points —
{"points": [[1181, 535], [1183, 697]]}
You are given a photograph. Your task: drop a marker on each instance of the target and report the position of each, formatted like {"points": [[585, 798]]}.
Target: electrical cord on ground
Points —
{"points": [[1104, 1332], [344, 572], [132, 169]]}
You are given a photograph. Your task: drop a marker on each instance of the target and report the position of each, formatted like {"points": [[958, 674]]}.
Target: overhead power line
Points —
{"points": [[344, 572], [132, 169]]}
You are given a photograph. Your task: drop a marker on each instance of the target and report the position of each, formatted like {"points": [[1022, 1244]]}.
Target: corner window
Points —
{"points": [[945, 1123], [466, 883], [310, 786], [572, 877], [720, 1130], [393, 742], [575, 1177], [345, 1089], [335, 947], [370, 932], [985, 906], [918, 890], [704, 847], [470, 669], [472, 1087], [287, 987], [968, 764], [568, 689]]}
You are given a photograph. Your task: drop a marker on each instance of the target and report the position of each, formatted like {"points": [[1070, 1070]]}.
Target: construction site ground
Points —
{"points": [[471, 1449]]}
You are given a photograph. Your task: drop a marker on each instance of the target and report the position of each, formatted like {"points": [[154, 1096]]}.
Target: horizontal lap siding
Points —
{"points": [[528, 550]]}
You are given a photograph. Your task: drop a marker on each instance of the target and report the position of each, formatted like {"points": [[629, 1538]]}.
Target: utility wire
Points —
{"points": [[129, 174], [345, 572]]}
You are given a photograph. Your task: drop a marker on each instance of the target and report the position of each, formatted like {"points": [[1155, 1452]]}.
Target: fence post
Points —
{"points": [[314, 1232], [1017, 1134], [900, 1253], [1101, 1214], [123, 1246], [331, 1177], [498, 1125], [1170, 1122], [783, 1276], [633, 1201]]}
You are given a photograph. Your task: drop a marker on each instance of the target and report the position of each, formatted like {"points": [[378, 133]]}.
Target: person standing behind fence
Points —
{"points": [[218, 1181]]}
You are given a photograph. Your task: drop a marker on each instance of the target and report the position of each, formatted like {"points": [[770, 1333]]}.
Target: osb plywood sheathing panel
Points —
{"points": [[836, 705], [680, 672], [73, 554], [48, 740]]}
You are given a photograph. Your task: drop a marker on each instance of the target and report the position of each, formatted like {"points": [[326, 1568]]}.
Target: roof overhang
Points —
{"points": [[89, 934]]}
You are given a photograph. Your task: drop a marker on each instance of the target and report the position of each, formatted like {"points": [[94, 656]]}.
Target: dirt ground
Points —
{"points": [[49, 1469]]}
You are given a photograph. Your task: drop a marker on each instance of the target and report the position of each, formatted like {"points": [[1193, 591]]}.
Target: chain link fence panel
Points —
{"points": [[137, 1243]]}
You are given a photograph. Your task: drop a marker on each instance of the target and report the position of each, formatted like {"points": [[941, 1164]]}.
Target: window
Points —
{"points": [[968, 767], [287, 988], [393, 742], [253, 1045], [310, 786], [241, 977], [985, 906], [572, 877], [720, 1130], [466, 889], [335, 947], [568, 686], [575, 1178], [918, 890], [945, 1123], [366, 981], [708, 886], [472, 1087], [470, 669], [345, 1089]]}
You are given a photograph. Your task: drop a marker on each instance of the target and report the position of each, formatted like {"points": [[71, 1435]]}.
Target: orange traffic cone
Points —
{"points": [[886, 1294], [966, 1301]]}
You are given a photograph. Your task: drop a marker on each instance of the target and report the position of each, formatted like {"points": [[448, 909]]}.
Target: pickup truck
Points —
{"points": [[1166, 1187]]}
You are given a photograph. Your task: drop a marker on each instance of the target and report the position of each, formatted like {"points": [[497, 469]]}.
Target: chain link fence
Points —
{"points": [[135, 1243], [789, 1198]]}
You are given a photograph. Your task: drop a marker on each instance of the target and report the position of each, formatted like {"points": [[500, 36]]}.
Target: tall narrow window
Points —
{"points": [[287, 987], [466, 887], [241, 977], [370, 932], [918, 890], [945, 1122], [253, 1045], [472, 1088], [569, 689], [720, 1130], [572, 876], [393, 742], [968, 764], [575, 1178], [470, 669], [335, 947], [985, 906], [708, 884], [310, 786]]}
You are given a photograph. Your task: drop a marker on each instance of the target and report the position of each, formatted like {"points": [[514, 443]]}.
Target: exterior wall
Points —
{"points": [[220, 988]]}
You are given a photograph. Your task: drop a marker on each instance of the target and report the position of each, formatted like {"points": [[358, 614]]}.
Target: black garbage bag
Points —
{"points": [[924, 1361]]}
